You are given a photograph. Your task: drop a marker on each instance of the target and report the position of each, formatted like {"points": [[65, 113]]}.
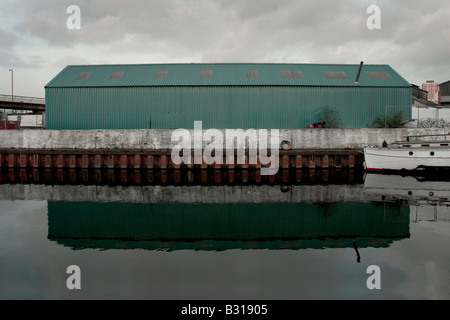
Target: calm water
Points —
{"points": [[302, 236]]}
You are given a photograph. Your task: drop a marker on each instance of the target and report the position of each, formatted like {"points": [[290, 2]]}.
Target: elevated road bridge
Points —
{"points": [[22, 103]]}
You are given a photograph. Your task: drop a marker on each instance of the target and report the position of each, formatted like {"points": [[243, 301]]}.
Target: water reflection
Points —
{"points": [[417, 190], [173, 226], [178, 177], [223, 210]]}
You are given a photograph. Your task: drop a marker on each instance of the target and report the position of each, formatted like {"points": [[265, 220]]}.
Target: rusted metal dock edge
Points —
{"points": [[141, 160], [143, 149]]}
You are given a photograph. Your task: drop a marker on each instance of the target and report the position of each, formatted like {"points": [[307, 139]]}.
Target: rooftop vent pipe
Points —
{"points": [[359, 71]]}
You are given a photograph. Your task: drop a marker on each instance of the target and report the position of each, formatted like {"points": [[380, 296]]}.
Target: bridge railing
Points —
{"points": [[4, 97]]}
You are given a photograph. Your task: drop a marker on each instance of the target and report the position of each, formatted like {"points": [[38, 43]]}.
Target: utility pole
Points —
{"points": [[12, 89]]}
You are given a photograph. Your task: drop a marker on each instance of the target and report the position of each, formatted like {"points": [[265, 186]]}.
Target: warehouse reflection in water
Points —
{"points": [[199, 211], [213, 211], [177, 226], [304, 234]]}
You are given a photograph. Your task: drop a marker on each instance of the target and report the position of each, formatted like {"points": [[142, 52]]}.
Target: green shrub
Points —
{"points": [[331, 118], [394, 121]]}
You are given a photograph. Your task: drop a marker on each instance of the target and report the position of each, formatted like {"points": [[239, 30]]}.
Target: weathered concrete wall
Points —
{"points": [[161, 139], [188, 194], [311, 194]]}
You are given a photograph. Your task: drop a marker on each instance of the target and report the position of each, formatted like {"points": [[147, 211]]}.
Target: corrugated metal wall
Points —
{"points": [[445, 88], [147, 221], [169, 107]]}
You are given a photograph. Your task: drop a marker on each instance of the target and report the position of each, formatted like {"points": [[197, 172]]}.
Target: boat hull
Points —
{"points": [[406, 158]]}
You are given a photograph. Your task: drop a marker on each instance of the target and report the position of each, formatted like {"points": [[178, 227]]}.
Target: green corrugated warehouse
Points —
{"points": [[223, 95]]}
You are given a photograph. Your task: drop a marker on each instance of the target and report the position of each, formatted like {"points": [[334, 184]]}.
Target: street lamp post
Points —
{"points": [[12, 99], [12, 90], [12, 87]]}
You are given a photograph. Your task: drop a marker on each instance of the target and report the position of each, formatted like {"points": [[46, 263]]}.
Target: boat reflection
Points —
{"points": [[412, 189]]}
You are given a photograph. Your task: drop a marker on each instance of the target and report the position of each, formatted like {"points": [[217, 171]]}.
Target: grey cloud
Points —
{"points": [[293, 27], [69, 60], [52, 31], [412, 32], [9, 57], [207, 26], [7, 39]]}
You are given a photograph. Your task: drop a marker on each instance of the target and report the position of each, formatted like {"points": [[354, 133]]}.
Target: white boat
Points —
{"points": [[415, 153]]}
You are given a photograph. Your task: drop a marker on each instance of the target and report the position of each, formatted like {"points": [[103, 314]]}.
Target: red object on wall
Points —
{"points": [[9, 125], [316, 125]]}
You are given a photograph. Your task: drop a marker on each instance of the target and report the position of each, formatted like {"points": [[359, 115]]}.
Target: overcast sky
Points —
{"points": [[35, 41]]}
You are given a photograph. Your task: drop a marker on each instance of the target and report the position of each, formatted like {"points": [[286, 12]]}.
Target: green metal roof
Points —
{"points": [[227, 74]]}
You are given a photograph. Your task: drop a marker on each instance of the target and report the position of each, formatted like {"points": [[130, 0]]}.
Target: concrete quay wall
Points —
{"points": [[151, 149], [154, 139]]}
